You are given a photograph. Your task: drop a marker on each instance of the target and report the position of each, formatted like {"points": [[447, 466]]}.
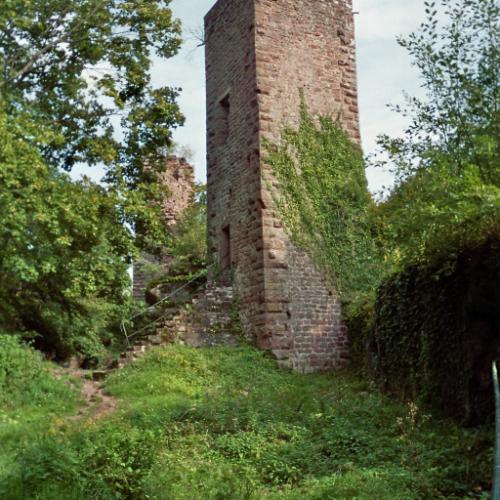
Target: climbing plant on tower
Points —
{"points": [[324, 201]]}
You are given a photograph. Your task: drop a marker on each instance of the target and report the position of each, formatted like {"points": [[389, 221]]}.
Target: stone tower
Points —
{"points": [[259, 54]]}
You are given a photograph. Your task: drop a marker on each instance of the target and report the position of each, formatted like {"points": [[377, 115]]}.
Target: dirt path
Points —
{"points": [[97, 404]]}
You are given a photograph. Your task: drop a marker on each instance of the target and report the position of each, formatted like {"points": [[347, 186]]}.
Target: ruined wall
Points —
{"points": [[177, 181], [260, 53]]}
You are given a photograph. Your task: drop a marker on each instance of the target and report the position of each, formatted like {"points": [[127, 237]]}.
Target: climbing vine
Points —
{"points": [[324, 201]]}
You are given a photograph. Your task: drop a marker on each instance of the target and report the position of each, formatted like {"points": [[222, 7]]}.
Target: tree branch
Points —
{"points": [[37, 56]]}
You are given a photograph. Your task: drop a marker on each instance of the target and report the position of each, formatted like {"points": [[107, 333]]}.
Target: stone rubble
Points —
{"points": [[209, 319]]}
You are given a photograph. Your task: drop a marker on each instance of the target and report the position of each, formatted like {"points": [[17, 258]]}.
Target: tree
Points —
{"points": [[80, 65], [62, 246], [83, 68], [75, 87], [446, 163]]}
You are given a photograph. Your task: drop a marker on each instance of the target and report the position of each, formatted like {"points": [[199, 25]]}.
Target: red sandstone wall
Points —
{"points": [[262, 52], [178, 183], [233, 178], [308, 45]]}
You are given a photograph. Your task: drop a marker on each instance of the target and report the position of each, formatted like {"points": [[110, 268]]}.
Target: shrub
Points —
{"points": [[24, 376], [431, 333], [359, 317]]}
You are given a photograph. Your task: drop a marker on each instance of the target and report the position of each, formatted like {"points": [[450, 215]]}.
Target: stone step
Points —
{"points": [[114, 364], [99, 375], [207, 317]]}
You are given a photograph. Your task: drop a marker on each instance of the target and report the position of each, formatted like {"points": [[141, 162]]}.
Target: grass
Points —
{"points": [[31, 401], [225, 423]]}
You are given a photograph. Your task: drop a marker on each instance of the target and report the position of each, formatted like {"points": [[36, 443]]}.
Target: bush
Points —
{"points": [[24, 376], [359, 317], [186, 259], [99, 463], [65, 249], [189, 245], [432, 333]]}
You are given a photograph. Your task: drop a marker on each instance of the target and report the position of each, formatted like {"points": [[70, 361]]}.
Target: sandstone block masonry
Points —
{"points": [[259, 54], [177, 182]]}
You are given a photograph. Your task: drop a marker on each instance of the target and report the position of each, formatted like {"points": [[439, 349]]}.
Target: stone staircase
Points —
{"points": [[210, 319]]}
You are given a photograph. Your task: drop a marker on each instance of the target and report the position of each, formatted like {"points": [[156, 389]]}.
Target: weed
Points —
{"points": [[226, 423]]}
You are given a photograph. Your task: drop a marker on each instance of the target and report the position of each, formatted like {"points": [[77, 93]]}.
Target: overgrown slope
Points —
{"points": [[227, 424]]}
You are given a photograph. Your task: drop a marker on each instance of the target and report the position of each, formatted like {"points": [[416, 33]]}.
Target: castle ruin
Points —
{"points": [[178, 185], [259, 55]]}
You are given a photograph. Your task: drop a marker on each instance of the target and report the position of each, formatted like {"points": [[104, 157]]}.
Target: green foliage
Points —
{"points": [[227, 423], [458, 119], [25, 378], [189, 243], [429, 333], [448, 194], [324, 200], [101, 463], [68, 70], [82, 71], [432, 215], [187, 249], [359, 317], [30, 397], [63, 246], [443, 354], [75, 65]]}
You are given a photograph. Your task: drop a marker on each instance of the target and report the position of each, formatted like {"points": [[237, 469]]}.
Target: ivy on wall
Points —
{"points": [[451, 333], [324, 200]]}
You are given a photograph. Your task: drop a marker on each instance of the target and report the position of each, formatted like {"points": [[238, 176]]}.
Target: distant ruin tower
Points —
{"points": [[259, 53], [178, 187]]}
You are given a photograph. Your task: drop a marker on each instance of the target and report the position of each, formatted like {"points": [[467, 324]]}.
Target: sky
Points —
{"points": [[384, 71]]}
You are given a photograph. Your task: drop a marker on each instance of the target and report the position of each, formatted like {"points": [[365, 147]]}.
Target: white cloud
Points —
{"points": [[384, 70], [386, 19]]}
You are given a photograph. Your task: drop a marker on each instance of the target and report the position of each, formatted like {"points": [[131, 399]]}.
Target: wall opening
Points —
{"points": [[225, 248], [223, 111]]}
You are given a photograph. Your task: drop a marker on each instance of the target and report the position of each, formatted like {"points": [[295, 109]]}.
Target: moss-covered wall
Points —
{"points": [[434, 332]]}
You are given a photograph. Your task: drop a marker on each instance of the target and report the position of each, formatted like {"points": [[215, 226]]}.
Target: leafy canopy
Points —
{"points": [[446, 163], [60, 242], [83, 66], [76, 88]]}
